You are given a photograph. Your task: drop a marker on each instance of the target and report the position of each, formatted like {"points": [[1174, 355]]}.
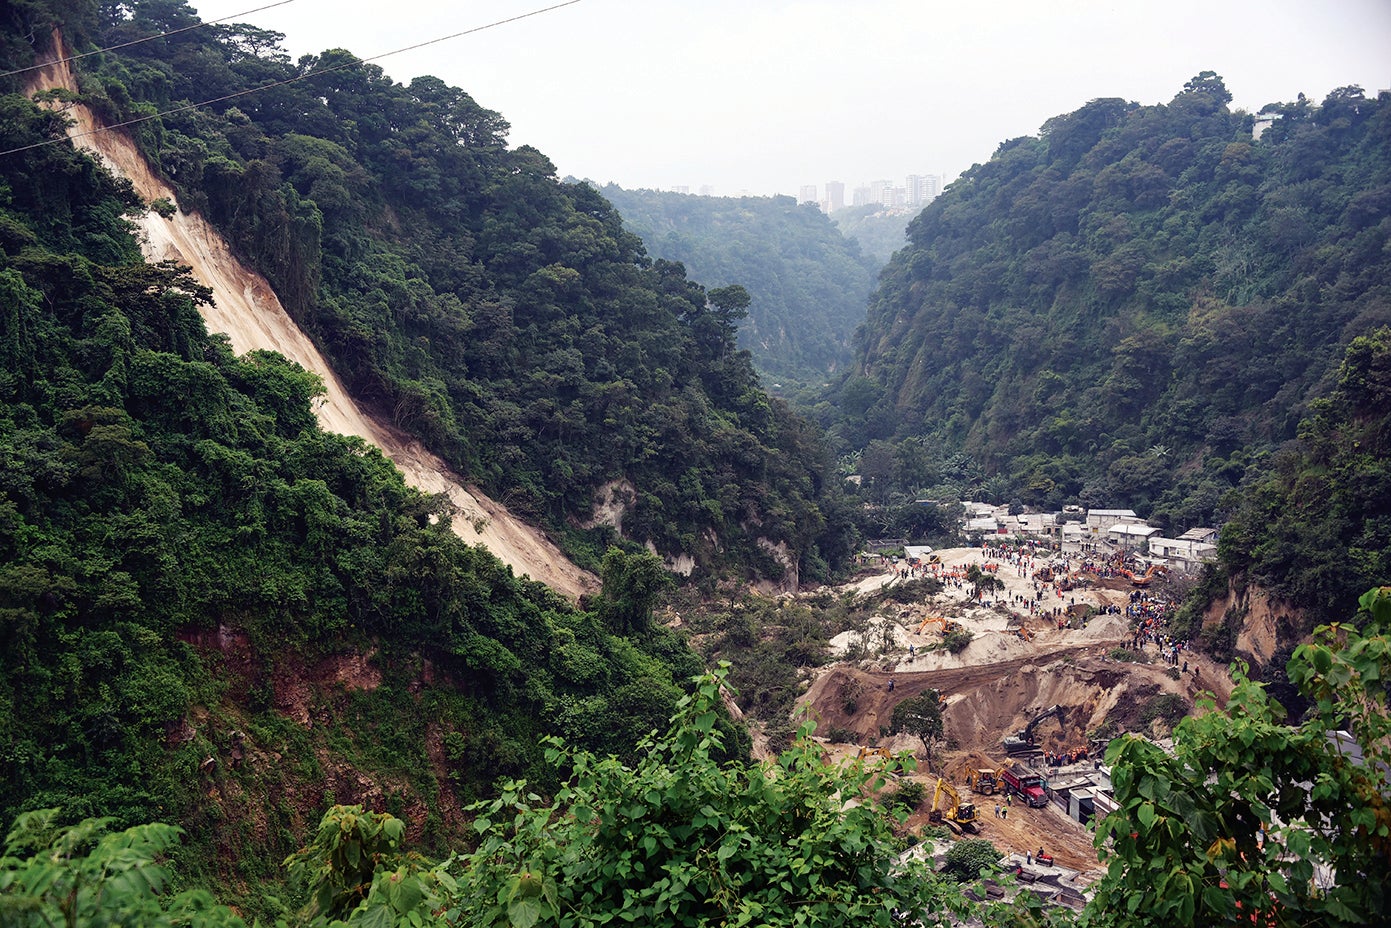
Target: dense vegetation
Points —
{"points": [[214, 613], [808, 283], [462, 291], [1315, 530], [1224, 829], [1131, 308]]}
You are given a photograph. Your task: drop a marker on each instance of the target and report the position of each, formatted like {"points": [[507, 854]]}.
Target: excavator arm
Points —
{"points": [[1023, 742]]}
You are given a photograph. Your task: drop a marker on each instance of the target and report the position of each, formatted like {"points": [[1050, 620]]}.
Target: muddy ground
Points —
{"points": [[995, 686]]}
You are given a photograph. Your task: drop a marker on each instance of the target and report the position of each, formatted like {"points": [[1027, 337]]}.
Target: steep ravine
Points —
{"points": [[247, 310]]}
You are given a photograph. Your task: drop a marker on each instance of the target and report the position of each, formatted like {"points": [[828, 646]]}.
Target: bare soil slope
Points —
{"points": [[247, 310]]}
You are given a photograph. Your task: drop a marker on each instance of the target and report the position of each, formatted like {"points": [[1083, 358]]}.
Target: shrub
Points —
{"points": [[908, 796], [968, 859], [956, 641], [1170, 707]]}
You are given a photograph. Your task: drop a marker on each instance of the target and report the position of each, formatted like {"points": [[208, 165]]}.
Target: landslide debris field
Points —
{"points": [[999, 682]]}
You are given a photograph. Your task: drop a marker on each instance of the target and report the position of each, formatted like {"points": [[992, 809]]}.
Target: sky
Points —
{"points": [[761, 97]]}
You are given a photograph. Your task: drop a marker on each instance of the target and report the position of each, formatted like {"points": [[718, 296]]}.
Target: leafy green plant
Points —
{"points": [[1251, 818], [956, 641], [968, 859], [88, 875], [678, 839]]}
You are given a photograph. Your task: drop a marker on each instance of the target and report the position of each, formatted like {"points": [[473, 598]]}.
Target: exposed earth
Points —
{"points": [[246, 309], [997, 684]]}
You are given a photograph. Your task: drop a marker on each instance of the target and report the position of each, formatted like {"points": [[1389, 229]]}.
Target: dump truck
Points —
{"points": [[1026, 784]]}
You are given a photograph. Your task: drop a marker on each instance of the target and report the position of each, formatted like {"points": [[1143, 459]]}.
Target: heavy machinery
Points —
{"points": [[1149, 575], [866, 753], [957, 815], [1022, 742], [947, 625], [1044, 575], [983, 780], [1027, 784]]}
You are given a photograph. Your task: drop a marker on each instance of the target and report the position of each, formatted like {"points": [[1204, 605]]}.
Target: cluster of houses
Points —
{"points": [[1078, 531]]}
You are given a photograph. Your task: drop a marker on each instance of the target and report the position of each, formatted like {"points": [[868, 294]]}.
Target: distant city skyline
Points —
{"points": [[917, 190]]}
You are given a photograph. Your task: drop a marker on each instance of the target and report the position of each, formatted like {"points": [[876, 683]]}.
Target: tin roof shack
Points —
{"points": [[1036, 524], [917, 554], [1187, 552], [1131, 536]]}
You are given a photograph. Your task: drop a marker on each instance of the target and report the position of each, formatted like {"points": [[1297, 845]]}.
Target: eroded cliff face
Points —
{"points": [[1262, 622], [247, 310]]}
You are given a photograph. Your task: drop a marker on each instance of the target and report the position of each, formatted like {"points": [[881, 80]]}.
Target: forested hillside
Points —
{"points": [[808, 285], [878, 231], [1314, 531], [505, 318], [214, 613], [1133, 307]]}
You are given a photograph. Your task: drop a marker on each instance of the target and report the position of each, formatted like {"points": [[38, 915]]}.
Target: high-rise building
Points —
{"points": [[922, 189], [706, 190], [877, 190], [681, 189], [808, 194], [835, 195], [860, 197]]}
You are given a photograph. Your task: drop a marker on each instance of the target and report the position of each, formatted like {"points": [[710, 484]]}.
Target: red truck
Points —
{"points": [[1026, 784]]}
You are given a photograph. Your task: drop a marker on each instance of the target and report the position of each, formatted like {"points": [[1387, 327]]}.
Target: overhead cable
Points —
{"points": [[148, 38], [289, 80]]}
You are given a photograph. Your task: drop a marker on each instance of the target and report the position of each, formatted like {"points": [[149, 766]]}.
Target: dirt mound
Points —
{"points": [[247, 310]]}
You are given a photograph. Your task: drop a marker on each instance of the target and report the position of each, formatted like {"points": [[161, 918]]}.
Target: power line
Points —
{"points": [[148, 38], [290, 80]]}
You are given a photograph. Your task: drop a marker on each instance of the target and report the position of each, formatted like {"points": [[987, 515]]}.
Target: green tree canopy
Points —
{"points": [[921, 717]]}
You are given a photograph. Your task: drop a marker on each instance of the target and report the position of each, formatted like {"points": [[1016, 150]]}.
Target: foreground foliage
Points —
{"points": [[1253, 818], [88, 875]]}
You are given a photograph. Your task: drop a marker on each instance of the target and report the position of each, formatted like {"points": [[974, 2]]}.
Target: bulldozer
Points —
{"points": [[957, 815]]}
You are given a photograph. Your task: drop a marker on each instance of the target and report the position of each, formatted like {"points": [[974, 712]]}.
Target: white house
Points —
{"points": [[1132, 536], [1188, 551], [1099, 520]]}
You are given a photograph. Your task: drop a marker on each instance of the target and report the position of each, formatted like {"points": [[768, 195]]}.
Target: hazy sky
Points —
{"points": [[763, 96]]}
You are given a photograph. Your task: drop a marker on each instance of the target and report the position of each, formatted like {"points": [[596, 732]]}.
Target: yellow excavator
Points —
{"points": [[869, 753], [946, 625], [957, 815]]}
